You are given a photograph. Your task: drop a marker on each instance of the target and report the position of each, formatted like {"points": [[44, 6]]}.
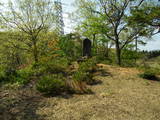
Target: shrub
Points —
{"points": [[57, 65], [71, 46], [83, 77], [88, 65], [17, 76], [51, 84], [84, 73], [7, 76], [24, 75], [80, 76], [129, 57], [149, 74], [2, 77]]}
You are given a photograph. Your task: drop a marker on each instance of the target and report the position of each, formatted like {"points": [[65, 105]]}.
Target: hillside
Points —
{"points": [[81, 63], [121, 95]]}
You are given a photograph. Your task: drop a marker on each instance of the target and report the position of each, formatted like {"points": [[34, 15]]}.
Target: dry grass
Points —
{"points": [[121, 96]]}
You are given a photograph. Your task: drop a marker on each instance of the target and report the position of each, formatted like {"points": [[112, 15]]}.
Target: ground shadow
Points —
{"points": [[102, 72], [20, 108], [65, 95], [155, 78], [96, 82]]}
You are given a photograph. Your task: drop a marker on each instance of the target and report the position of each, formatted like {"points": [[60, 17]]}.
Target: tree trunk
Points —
{"points": [[136, 49], [18, 59], [35, 51], [95, 43], [118, 53], [94, 38], [106, 50]]}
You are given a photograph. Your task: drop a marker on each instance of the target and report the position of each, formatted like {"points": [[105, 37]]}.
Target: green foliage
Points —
{"points": [[12, 52], [24, 75], [88, 64], [71, 46], [19, 76], [146, 17], [85, 71], [102, 23], [129, 57], [149, 74], [2, 76], [81, 76], [51, 84], [29, 18], [56, 65]]}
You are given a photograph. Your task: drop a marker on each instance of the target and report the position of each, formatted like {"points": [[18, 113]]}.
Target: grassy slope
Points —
{"points": [[121, 96], [155, 62]]}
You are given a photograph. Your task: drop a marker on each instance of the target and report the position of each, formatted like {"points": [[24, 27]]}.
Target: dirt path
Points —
{"points": [[122, 95]]}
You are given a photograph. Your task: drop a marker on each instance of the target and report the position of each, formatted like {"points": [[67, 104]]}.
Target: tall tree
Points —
{"points": [[90, 25], [115, 15], [31, 17]]}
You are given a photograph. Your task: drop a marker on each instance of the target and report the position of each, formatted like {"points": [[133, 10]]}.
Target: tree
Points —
{"points": [[147, 16], [115, 15], [71, 45], [11, 52], [30, 17], [90, 26]]}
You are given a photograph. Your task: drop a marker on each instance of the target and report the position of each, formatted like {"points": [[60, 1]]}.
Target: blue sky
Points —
{"points": [[153, 44]]}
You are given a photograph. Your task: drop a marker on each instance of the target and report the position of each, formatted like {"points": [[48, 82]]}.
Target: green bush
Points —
{"points": [[85, 71], [71, 46], [129, 58], [83, 77], [21, 76], [6, 76], [80, 76], [149, 74], [2, 77], [24, 75], [51, 84], [55, 66], [88, 65]]}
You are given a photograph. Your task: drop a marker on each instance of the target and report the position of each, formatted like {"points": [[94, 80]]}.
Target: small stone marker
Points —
{"points": [[87, 47]]}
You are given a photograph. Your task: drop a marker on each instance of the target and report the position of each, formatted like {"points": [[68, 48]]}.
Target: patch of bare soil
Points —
{"points": [[19, 103], [122, 95]]}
